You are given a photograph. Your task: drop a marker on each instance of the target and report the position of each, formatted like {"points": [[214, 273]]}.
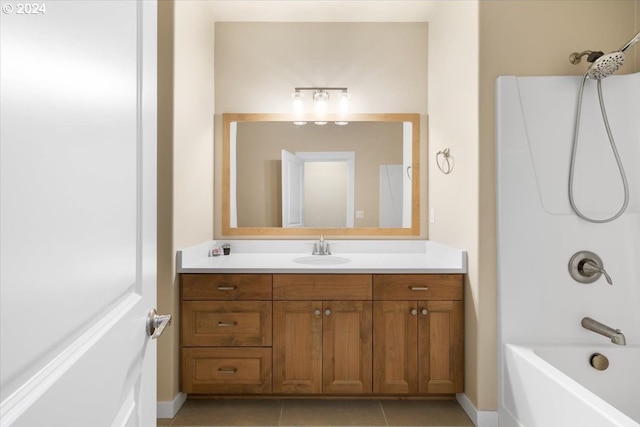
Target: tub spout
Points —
{"points": [[616, 336]]}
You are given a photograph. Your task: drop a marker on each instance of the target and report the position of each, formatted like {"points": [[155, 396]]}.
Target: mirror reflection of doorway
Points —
{"points": [[318, 189]]}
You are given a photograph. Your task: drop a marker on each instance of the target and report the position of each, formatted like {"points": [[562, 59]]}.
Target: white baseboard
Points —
{"points": [[479, 418], [169, 409]]}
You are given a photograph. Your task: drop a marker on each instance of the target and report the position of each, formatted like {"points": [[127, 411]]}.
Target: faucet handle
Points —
{"points": [[591, 267], [587, 267]]}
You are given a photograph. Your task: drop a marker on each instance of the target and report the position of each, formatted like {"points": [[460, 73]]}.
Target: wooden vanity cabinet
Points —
{"points": [[322, 333], [226, 325], [418, 334]]}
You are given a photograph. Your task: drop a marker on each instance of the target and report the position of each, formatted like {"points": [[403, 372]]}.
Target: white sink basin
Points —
{"points": [[321, 260]]}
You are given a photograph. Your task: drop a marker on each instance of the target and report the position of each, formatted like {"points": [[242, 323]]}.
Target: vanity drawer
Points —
{"points": [[402, 287], [226, 370], [226, 286], [226, 323], [322, 287]]}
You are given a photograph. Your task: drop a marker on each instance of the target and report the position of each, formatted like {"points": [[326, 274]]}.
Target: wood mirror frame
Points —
{"points": [[413, 230]]}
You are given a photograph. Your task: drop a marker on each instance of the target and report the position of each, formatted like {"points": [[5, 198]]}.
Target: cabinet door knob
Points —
{"points": [[327, 312], [414, 312], [317, 312], [424, 312]]}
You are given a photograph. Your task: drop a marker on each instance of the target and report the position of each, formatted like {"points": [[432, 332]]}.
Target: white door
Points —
{"points": [[292, 190], [77, 219]]}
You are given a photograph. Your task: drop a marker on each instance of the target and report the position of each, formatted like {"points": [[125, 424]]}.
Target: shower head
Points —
{"points": [[604, 65]]}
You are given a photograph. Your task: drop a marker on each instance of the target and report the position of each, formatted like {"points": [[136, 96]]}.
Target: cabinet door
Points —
{"points": [[297, 346], [395, 347], [347, 347], [441, 347]]}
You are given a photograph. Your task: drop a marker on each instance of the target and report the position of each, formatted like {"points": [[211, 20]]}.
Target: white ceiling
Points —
{"points": [[322, 10]]}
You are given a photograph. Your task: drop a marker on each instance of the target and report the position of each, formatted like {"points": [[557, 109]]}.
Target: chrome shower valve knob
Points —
{"points": [[587, 267]]}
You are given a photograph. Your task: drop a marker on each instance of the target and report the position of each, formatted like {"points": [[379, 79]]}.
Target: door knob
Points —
{"points": [[156, 323]]}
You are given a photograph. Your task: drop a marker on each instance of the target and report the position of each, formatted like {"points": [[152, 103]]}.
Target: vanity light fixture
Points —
{"points": [[321, 104]]}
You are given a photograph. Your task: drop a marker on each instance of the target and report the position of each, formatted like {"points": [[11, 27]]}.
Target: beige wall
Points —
{"points": [[167, 300], [453, 124], [529, 38], [185, 158], [384, 65]]}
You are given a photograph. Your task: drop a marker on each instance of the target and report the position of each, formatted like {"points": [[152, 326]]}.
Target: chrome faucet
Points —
{"points": [[321, 247], [617, 337]]}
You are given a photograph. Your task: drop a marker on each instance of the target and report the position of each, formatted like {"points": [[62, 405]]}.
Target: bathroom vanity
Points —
{"points": [[282, 322]]}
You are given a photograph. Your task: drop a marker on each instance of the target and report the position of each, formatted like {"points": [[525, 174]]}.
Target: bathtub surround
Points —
{"points": [[544, 349]]}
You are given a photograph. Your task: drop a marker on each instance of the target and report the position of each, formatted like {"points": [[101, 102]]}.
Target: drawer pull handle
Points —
{"points": [[227, 324], [227, 371], [418, 288], [227, 288]]}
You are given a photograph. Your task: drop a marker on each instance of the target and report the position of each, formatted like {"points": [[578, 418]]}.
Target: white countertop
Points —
{"points": [[362, 256]]}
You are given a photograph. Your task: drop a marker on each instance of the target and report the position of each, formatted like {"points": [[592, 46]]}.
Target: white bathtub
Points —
{"points": [[555, 386]]}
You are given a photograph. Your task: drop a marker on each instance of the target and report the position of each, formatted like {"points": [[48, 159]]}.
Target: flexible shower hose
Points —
{"points": [[574, 150]]}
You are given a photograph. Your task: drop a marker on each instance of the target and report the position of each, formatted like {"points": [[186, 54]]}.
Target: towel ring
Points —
{"points": [[444, 161]]}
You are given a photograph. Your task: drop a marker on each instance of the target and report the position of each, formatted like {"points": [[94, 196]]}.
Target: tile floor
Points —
{"points": [[224, 412]]}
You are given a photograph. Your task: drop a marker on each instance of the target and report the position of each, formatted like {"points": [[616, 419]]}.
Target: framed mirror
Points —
{"points": [[359, 178]]}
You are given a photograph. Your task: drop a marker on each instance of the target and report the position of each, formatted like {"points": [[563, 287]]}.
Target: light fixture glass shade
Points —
{"points": [[298, 107], [343, 103], [321, 102]]}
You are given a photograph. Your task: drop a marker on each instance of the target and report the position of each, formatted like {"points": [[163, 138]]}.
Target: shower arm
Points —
{"points": [[576, 57], [631, 42]]}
